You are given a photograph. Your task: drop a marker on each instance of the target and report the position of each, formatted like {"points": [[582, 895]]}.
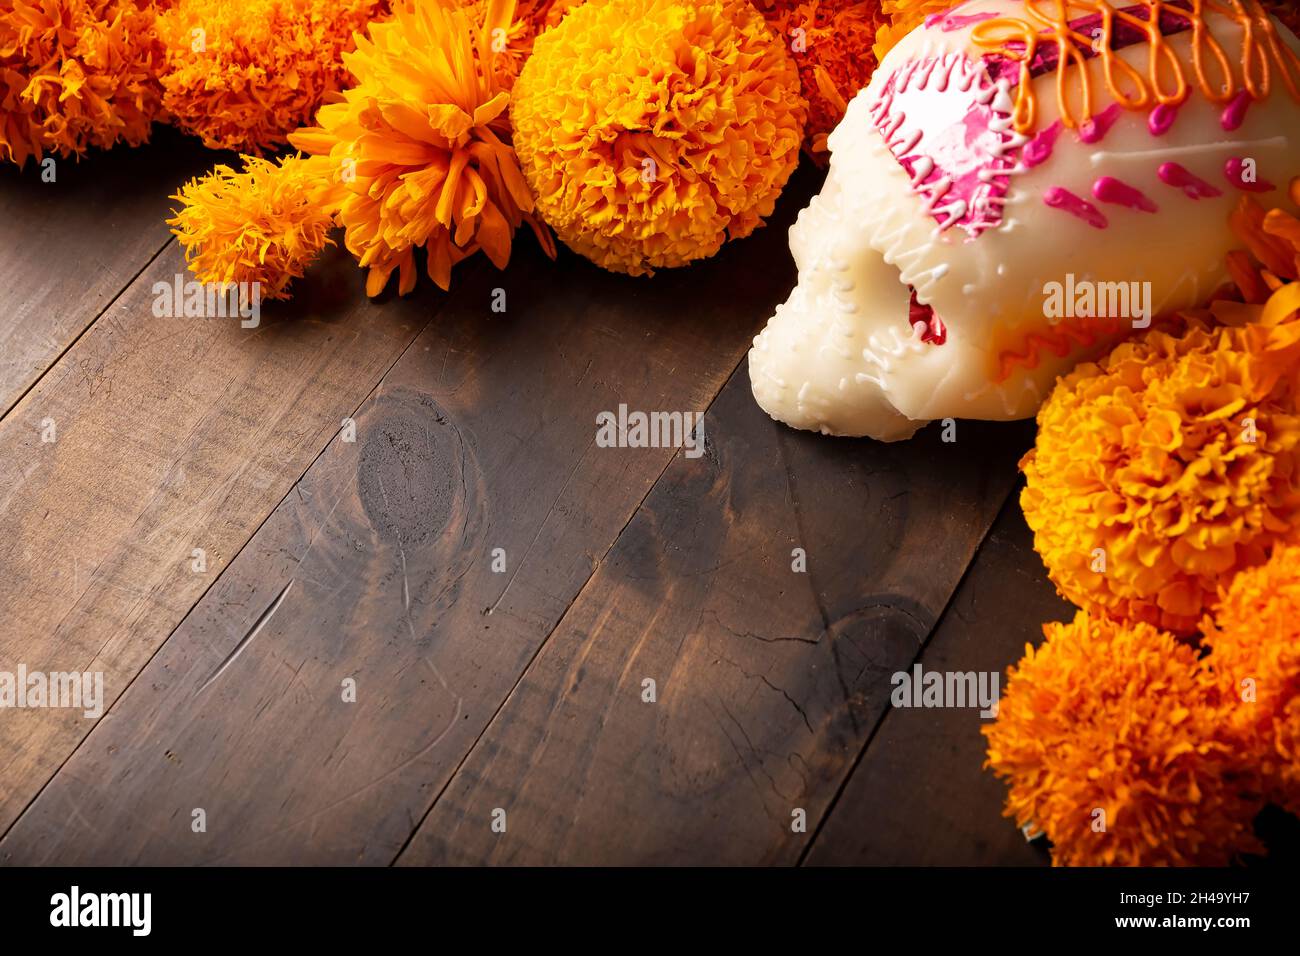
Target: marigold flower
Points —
{"points": [[831, 41], [1168, 466], [264, 224], [76, 74], [1254, 639], [240, 74], [904, 17], [654, 130], [419, 148], [1110, 738]]}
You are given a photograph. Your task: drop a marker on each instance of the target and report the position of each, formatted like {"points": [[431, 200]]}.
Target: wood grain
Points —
{"points": [[70, 246], [767, 680], [378, 567], [919, 795], [170, 434]]}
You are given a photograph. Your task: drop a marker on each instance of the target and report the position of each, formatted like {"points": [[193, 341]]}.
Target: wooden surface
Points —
{"points": [[769, 588]]}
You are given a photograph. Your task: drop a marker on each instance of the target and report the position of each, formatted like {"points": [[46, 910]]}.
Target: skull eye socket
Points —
{"points": [[932, 329]]}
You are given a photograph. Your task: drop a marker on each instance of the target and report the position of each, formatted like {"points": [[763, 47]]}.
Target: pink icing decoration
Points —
{"points": [[1235, 113], [1095, 129], [1111, 190], [1235, 170], [948, 22], [1162, 119], [1039, 149], [1171, 174], [961, 164], [1063, 199]]}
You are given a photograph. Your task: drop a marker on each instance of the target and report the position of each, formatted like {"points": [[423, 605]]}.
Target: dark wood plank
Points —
{"points": [[378, 567], [767, 680], [72, 245], [918, 796], [170, 434]]}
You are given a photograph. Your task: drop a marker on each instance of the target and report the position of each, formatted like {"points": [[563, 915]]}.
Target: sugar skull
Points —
{"points": [[1023, 183]]}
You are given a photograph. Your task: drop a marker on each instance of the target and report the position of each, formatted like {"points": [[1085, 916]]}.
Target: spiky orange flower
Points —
{"points": [[76, 74], [419, 149], [1254, 637], [1112, 743], [240, 74], [831, 43], [1168, 466], [654, 130], [263, 225], [513, 44]]}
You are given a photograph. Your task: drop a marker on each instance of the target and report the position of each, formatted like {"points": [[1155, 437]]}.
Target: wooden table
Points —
{"points": [[202, 531]]}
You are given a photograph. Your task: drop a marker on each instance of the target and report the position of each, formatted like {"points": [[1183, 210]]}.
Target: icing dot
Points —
{"points": [[1039, 149], [1172, 174], [1162, 119], [1095, 129], [1235, 169], [1235, 113], [1111, 190], [1066, 201]]}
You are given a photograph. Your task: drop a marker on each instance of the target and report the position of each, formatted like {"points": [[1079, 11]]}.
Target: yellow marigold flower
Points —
{"points": [[831, 41], [654, 130], [1112, 742], [263, 225], [904, 17], [1254, 639], [1168, 466], [419, 148], [241, 74], [76, 74]]}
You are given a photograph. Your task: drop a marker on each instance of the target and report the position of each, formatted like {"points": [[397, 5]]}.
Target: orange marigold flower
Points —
{"points": [[263, 225], [654, 130], [419, 148], [241, 74], [1168, 466], [76, 74], [904, 17], [831, 42], [1112, 743], [1254, 639]]}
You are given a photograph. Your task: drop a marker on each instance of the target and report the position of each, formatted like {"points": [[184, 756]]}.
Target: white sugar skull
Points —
{"points": [[982, 228]]}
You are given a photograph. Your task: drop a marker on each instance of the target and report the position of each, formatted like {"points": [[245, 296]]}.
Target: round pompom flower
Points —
{"points": [[1167, 467], [1110, 738], [652, 131], [831, 42], [1254, 640], [76, 74], [241, 74], [419, 148], [262, 225]]}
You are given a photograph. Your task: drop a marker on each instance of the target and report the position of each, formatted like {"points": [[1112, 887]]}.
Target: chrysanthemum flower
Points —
{"points": [[904, 17], [831, 41], [654, 130], [1167, 467], [1111, 740], [241, 74], [264, 224], [1254, 639], [76, 74], [419, 148]]}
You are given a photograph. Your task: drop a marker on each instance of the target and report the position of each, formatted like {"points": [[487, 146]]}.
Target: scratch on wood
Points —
{"points": [[248, 638]]}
